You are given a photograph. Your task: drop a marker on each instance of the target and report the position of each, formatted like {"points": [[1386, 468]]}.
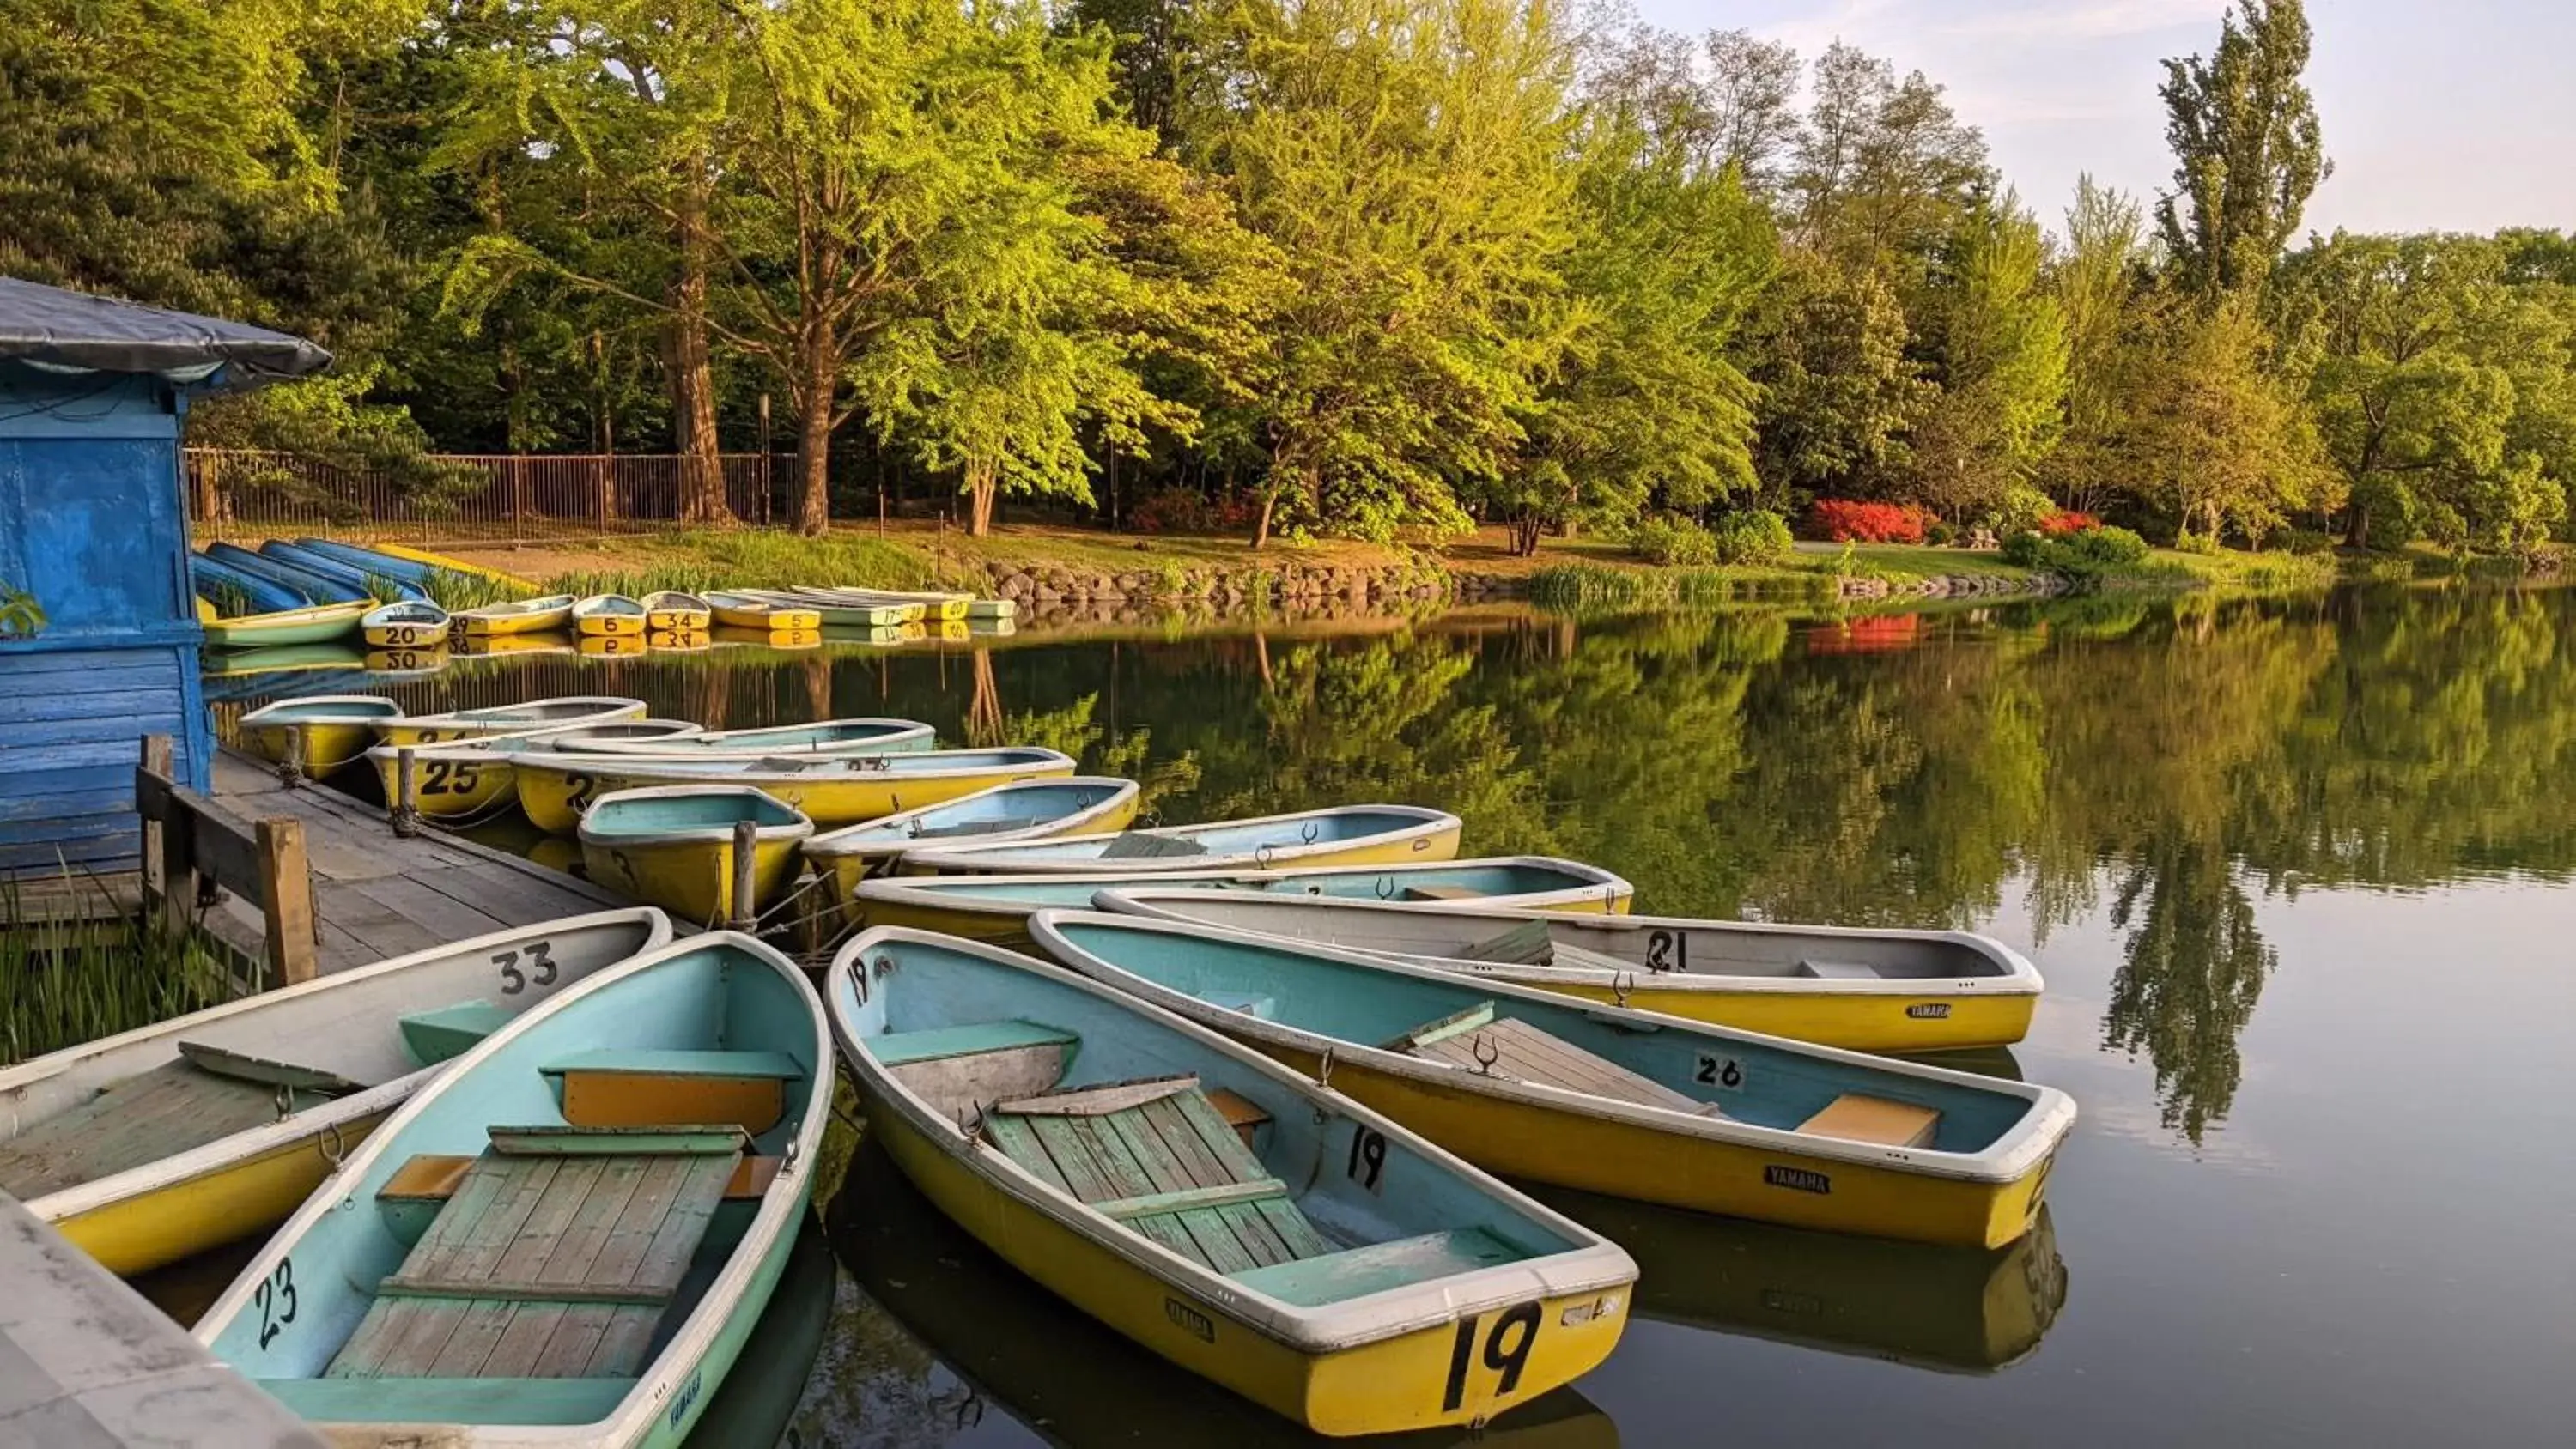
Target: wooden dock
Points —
{"points": [[377, 894]]}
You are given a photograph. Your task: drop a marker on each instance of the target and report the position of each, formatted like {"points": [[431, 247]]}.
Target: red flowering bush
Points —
{"points": [[1844, 520], [1186, 510], [2066, 521]]}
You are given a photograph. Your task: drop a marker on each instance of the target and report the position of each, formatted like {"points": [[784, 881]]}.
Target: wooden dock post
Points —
{"points": [[746, 851], [406, 793], [291, 773], [286, 900], [156, 759]]}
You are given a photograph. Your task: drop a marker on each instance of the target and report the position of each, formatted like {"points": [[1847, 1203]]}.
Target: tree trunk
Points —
{"points": [[980, 487], [693, 390], [2358, 534], [814, 437], [1261, 528], [1525, 531]]}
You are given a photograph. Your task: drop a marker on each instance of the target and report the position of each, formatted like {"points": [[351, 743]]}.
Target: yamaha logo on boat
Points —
{"points": [[1190, 1318], [1797, 1179], [1929, 1011], [688, 1396]]}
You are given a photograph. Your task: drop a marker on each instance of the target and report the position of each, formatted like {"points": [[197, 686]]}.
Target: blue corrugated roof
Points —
{"points": [[55, 329]]}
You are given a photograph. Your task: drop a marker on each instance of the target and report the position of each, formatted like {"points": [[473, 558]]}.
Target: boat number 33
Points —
{"points": [[1507, 1344], [538, 959], [275, 1300]]}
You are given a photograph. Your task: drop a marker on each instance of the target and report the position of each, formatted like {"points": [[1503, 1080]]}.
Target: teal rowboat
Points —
{"points": [[567, 1239]]}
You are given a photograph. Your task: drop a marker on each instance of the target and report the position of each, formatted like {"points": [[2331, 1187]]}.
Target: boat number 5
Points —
{"points": [[275, 1299], [1724, 1072], [541, 967], [1368, 1157], [1518, 1325]]}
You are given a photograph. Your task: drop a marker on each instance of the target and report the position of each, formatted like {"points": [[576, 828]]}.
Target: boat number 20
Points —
{"points": [[1724, 1073], [540, 964], [1508, 1342], [275, 1300]]}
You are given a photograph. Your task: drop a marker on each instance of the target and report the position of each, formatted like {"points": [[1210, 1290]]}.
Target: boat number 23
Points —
{"points": [[275, 1300], [1508, 1341], [540, 967]]}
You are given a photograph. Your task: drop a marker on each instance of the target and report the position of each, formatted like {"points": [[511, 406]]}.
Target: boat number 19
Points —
{"points": [[275, 1300], [1368, 1157], [1724, 1073], [1507, 1349], [541, 967]]}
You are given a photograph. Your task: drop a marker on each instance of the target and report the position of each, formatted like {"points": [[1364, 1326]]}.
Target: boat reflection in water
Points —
{"points": [[1962, 1310], [1070, 1380], [758, 1398]]}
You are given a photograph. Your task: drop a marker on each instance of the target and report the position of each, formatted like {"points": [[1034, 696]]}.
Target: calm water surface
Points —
{"points": [[2298, 874]]}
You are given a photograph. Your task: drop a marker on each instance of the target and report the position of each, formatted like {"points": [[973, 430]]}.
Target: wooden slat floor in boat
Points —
{"points": [[579, 1256], [376, 894], [1526, 1053], [1151, 1158], [140, 1120]]}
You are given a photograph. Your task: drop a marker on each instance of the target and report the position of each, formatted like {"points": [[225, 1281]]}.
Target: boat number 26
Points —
{"points": [[1507, 1345], [1725, 1073], [275, 1300], [540, 967]]}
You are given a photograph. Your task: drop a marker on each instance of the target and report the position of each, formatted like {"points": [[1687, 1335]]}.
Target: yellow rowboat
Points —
{"points": [[676, 846], [862, 736], [1343, 835], [669, 611], [742, 611], [407, 625], [1603, 1099], [529, 616], [1035, 810], [451, 564], [472, 779], [928, 608], [555, 789], [321, 733], [838, 613], [1251, 1227], [609, 616], [997, 907], [507, 719], [160, 1143], [941, 604], [1868, 990]]}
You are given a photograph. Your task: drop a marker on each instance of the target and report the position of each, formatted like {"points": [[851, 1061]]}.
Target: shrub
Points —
{"points": [[1940, 534], [1186, 510], [1672, 541], [2307, 541], [2093, 552], [1752, 537], [2066, 521], [2022, 508], [1845, 520]]}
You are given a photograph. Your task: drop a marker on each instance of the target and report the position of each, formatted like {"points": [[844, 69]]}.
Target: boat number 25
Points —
{"points": [[441, 777], [275, 1300], [541, 967], [1508, 1342], [1724, 1073]]}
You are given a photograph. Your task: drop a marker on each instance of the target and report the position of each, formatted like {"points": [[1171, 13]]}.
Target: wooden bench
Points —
{"points": [[1146, 845], [1376, 1267], [1837, 971], [1480, 1042], [956, 1069], [630, 1087], [1532, 943], [450, 1031], [1858, 1118]]}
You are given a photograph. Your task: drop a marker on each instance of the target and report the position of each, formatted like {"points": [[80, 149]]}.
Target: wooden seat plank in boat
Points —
{"points": [[450, 1031], [555, 1257], [633, 1088], [1531, 944], [1856, 1117], [1146, 845], [1505, 1047], [1376, 1267], [147, 1117], [957, 1069]]}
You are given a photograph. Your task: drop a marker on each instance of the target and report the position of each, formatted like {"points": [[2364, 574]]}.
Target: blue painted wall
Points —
{"points": [[92, 524]]}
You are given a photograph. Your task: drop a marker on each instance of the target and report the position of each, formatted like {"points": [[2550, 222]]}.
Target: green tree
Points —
{"points": [[2004, 365], [2247, 149], [1883, 166], [2097, 283], [1839, 394], [2214, 438]]}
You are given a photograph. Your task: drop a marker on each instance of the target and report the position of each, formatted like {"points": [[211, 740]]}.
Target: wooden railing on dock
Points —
{"points": [[191, 843]]}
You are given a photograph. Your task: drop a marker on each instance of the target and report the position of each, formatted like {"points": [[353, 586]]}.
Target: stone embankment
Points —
{"points": [[1951, 586]]}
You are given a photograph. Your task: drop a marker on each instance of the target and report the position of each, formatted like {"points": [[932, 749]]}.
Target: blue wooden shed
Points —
{"points": [[93, 527]]}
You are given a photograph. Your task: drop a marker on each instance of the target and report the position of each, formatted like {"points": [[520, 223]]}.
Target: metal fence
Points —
{"points": [[239, 494]]}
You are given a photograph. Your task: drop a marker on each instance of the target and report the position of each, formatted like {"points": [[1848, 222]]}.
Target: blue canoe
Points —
{"points": [[322, 590], [229, 588], [409, 570], [382, 587]]}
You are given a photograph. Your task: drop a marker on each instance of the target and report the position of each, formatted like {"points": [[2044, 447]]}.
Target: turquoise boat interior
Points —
{"points": [[1707, 1071], [656, 813], [1233, 837], [1180, 1141], [520, 1251], [334, 709], [1392, 883], [1021, 806]]}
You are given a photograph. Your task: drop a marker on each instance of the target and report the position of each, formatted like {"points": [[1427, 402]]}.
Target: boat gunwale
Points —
{"points": [[831, 845], [827, 768], [1426, 824], [782, 1205], [927, 891], [898, 732], [286, 1130], [607, 709], [520, 608], [382, 615], [2015, 1153], [2016, 975], [1596, 1264], [788, 831]]}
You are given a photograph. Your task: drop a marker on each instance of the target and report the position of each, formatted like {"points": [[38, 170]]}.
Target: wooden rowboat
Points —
{"points": [[1869, 990], [555, 789], [529, 616], [507, 719], [151, 1146], [997, 907], [1035, 810], [1606, 1100], [321, 732], [1343, 835], [1195, 1198], [645, 1143], [674, 846], [411, 625], [669, 611], [742, 611], [472, 779], [822, 738], [608, 616], [319, 624]]}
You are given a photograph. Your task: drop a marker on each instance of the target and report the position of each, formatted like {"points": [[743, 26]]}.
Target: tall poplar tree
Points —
{"points": [[2248, 151]]}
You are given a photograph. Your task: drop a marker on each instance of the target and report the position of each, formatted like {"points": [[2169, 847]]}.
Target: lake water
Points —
{"points": [[2297, 873]]}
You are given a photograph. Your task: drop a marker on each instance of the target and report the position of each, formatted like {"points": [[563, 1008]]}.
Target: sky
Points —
{"points": [[2440, 115]]}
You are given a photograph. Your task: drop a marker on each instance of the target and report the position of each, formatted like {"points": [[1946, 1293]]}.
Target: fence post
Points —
{"points": [[518, 497], [406, 793], [746, 849], [286, 900]]}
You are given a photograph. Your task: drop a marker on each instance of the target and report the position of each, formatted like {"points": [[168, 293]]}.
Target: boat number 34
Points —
{"points": [[536, 956], [275, 1300], [1507, 1344]]}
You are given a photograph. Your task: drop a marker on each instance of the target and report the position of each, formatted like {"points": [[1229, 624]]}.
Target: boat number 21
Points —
{"points": [[1507, 1350], [541, 967], [275, 1300]]}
